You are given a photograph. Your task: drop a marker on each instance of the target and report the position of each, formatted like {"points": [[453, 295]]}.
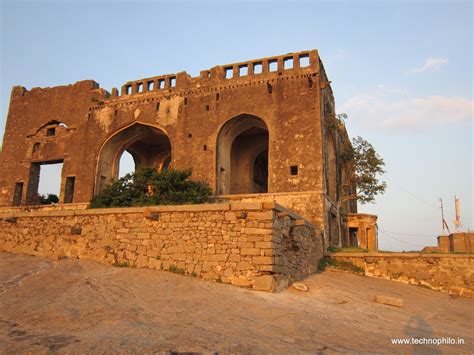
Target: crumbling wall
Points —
{"points": [[257, 245], [443, 272]]}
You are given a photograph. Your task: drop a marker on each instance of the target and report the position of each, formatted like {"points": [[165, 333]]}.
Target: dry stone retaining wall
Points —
{"points": [[258, 245], [453, 273]]}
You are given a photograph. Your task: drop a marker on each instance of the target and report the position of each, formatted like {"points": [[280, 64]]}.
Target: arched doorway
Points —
{"points": [[148, 146], [242, 156]]}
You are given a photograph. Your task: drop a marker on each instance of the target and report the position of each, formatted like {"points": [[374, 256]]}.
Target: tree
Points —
{"points": [[48, 200], [364, 166], [148, 186]]}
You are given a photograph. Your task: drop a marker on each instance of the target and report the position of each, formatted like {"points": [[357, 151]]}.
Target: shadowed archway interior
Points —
{"points": [[149, 147], [242, 156]]}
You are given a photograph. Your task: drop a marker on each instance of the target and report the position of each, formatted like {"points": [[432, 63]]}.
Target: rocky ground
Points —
{"points": [[78, 307]]}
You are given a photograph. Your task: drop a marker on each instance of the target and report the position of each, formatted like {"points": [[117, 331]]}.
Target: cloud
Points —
{"points": [[389, 111], [431, 64]]}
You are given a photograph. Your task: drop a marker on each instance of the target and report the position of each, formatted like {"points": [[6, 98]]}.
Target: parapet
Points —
{"points": [[256, 69]]}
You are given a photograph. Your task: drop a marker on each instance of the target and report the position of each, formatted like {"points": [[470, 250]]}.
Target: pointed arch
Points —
{"points": [[242, 156], [149, 146]]}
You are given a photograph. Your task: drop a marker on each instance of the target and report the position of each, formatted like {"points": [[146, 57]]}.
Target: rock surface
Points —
{"points": [[73, 306]]}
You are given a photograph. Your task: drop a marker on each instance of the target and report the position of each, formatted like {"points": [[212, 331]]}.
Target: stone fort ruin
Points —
{"points": [[260, 131]]}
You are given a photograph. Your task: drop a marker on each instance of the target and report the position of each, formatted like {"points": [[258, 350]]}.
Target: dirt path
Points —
{"points": [[82, 307]]}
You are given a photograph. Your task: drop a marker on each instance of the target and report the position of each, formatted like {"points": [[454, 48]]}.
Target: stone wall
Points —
{"points": [[258, 245], [453, 273]]}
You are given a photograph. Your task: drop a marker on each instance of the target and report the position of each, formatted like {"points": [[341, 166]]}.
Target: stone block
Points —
{"points": [[238, 281], [262, 231], [245, 206], [391, 301], [250, 251], [264, 283], [262, 260]]}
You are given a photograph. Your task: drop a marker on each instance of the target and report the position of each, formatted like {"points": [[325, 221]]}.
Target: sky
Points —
{"points": [[401, 70]]}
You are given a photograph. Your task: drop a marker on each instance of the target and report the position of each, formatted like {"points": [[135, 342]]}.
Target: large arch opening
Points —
{"points": [[148, 146], [242, 156]]}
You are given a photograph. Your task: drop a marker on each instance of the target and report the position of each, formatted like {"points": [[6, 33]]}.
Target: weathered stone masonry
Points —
{"points": [[453, 273], [263, 126], [258, 245]]}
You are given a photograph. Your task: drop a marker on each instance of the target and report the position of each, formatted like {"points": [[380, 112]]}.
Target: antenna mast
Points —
{"points": [[444, 225]]}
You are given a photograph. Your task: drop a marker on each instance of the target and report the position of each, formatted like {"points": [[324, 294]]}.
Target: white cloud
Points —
{"points": [[388, 111], [431, 64]]}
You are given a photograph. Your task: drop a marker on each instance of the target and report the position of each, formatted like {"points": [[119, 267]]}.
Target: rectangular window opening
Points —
{"points": [[272, 65], [185, 101], [288, 63], [243, 70], [44, 183], [150, 85], [207, 107], [257, 68], [173, 82], [69, 190], [304, 60], [161, 84], [205, 147], [294, 170], [190, 135], [128, 89], [217, 97], [140, 87], [229, 72], [18, 194], [51, 132], [157, 106]]}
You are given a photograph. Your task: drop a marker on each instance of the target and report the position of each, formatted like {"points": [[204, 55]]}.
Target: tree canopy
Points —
{"points": [[148, 186], [364, 168]]}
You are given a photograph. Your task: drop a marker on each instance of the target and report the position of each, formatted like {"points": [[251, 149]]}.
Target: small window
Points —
{"points": [[150, 86], [207, 107], [272, 65], [257, 68], [229, 72], [157, 106], [51, 132], [243, 70], [36, 147], [185, 101], [161, 84], [205, 147], [128, 89], [173, 82], [69, 190], [18, 193], [217, 97], [294, 170], [304, 60], [140, 87], [190, 135], [288, 63]]}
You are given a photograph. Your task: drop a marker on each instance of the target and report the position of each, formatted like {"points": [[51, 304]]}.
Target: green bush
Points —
{"points": [[148, 187]]}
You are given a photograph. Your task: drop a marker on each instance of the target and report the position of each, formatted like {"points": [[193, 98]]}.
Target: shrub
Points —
{"points": [[48, 200], [150, 187]]}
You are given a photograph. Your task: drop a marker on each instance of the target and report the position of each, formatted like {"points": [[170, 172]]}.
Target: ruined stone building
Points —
{"points": [[263, 130]]}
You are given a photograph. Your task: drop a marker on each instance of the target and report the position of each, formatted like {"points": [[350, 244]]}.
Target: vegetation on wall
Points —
{"points": [[48, 199], [148, 186], [364, 167]]}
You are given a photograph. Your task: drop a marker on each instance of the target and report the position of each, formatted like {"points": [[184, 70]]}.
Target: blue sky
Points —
{"points": [[401, 70]]}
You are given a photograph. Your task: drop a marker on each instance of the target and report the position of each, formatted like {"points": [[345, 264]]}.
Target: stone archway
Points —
{"points": [[242, 156], [149, 146]]}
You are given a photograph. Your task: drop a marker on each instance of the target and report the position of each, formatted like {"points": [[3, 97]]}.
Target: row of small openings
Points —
{"points": [[303, 60], [150, 85]]}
